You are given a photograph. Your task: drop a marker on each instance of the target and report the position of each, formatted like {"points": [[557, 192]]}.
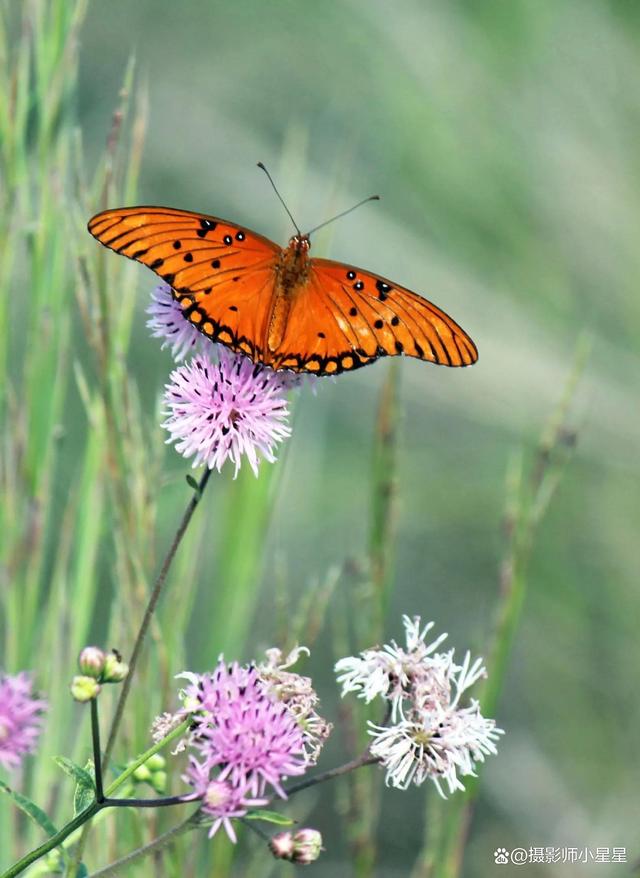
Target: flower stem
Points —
{"points": [[365, 759], [97, 758], [144, 803], [146, 619]]}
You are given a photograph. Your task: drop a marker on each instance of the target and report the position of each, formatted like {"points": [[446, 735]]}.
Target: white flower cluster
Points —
{"points": [[431, 735]]}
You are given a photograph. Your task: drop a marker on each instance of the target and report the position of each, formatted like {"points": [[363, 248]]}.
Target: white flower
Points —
{"points": [[397, 674], [299, 696], [444, 746], [432, 735], [164, 724]]}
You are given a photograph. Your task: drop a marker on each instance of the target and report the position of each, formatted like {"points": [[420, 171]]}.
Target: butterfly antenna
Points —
{"points": [[344, 213], [275, 189]]}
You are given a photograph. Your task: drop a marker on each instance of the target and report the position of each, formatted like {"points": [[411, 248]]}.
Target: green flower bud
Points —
{"points": [[85, 688], [91, 661], [115, 670], [142, 773], [156, 762], [159, 781]]}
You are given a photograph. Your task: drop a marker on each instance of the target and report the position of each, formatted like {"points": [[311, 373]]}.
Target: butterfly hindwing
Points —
{"points": [[346, 318]]}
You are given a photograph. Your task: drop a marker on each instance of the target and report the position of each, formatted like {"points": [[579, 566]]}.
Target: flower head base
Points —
{"points": [[299, 696], [166, 321], [242, 732], [432, 736], [226, 410], [20, 718]]}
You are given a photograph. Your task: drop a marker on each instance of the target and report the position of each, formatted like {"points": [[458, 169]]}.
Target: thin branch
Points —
{"points": [[160, 802], [146, 620], [365, 759]]}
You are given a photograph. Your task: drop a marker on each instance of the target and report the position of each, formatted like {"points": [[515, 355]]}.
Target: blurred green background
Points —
{"points": [[503, 139]]}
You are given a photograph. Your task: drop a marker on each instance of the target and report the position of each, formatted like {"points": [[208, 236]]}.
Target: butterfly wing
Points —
{"points": [[222, 274], [345, 318]]}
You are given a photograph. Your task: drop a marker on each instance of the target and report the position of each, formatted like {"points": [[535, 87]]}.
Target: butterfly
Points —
{"points": [[278, 305]]}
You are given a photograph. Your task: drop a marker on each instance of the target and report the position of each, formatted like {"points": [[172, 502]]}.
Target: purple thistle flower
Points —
{"points": [[166, 321], [242, 731], [219, 799], [226, 410], [20, 718]]}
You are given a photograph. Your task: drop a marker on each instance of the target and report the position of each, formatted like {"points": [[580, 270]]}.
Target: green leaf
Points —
{"points": [[269, 817], [85, 791], [80, 775], [30, 809], [192, 482], [82, 798]]}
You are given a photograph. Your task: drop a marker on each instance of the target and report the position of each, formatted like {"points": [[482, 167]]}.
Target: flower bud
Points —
{"points": [[307, 844], [281, 845], [156, 762], [142, 773], [159, 781], [91, 661], [115, 670], [84, 688]]}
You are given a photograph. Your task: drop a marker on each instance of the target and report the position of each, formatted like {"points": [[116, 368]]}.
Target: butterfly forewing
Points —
{"points": [[222, 274]]}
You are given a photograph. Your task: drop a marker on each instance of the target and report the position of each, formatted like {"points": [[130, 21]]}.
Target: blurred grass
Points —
{"points": [[503, 138]]}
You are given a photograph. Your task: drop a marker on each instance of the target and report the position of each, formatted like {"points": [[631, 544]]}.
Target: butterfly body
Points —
{"points": [[292, 274], [279, 306]]}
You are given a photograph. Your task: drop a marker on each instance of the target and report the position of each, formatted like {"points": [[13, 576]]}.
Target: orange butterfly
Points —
{"points": [[277, 305]]}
